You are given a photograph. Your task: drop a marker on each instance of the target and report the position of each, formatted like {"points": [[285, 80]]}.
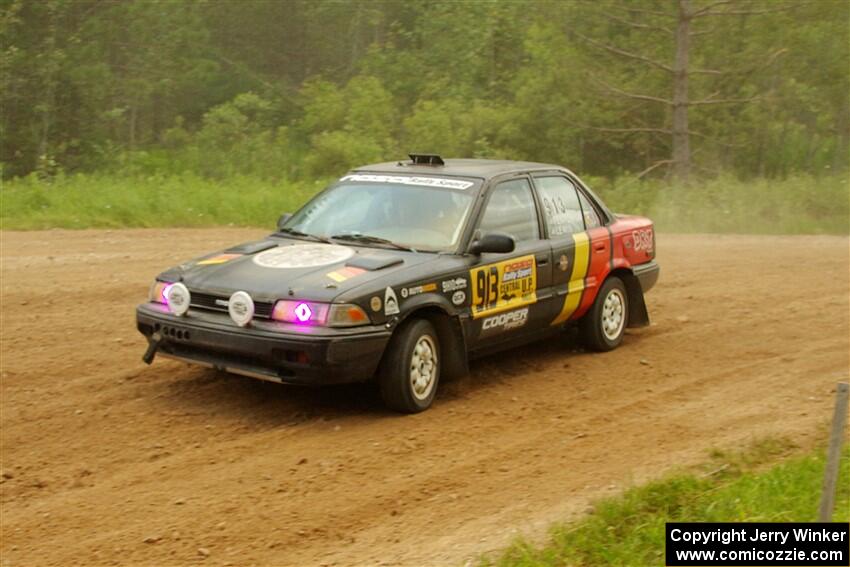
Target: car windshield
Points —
{"points": [[423, 213]]}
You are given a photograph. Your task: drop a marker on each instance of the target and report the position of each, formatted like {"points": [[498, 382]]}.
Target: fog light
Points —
{"points": [[241, 308], [177, 297]]}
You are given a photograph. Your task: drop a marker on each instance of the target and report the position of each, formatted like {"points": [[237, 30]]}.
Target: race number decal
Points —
{"points": [[502, 286]]}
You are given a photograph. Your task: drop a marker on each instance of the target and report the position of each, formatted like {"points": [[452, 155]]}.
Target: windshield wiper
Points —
{"points": [[366, 239], [299, 234]]}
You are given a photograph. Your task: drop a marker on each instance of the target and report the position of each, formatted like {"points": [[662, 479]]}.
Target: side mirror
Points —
{"points": [[493, 242], [282, 220]]}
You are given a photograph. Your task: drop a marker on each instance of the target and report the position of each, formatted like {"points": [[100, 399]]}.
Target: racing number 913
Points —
{"points": [[504, 285], [486, 288]]}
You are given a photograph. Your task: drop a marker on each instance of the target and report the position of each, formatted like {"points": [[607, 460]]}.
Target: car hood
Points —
{"points": [[277, 268]]}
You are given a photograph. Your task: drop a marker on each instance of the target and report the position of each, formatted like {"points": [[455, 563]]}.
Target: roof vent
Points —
{"points": [[426, 159]]}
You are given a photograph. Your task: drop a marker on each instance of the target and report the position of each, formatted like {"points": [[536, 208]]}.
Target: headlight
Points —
{"points": [[309, 313], [159, 291]]}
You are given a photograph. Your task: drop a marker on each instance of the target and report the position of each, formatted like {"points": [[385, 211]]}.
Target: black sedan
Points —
{"points": [[400, 271]]}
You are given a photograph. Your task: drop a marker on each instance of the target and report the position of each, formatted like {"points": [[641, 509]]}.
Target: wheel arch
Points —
{"points": [[449, 333], [638, 314]]}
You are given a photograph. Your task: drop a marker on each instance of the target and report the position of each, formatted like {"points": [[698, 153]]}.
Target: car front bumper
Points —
{"points": [[266, 349]]}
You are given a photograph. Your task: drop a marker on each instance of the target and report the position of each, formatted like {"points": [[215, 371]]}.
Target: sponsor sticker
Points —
{"points": [[409, 180], [643, 240], [344, 273], [416, 290], [303, 256], [390, 302], [503, 286], [375, 304], [458, 297], [506, 321], [454, 284], [217, 259]]}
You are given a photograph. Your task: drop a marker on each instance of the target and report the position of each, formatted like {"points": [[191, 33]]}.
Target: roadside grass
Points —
{"points": [[796, 205], [761, 484], [106, 201]]}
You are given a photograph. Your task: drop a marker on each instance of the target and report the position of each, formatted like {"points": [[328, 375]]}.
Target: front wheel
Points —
{"points": [[602, 327], [409, 374]]}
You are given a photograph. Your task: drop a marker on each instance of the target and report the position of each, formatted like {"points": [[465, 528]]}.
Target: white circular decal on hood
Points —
{"points": [[303, 256]]}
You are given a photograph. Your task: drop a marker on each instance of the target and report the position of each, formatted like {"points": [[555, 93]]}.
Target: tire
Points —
{"points": [[602, 328], [410, 371]]}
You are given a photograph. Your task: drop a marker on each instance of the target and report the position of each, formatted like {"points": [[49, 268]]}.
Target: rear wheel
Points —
{"points": [[602, 327], [409, 374]]}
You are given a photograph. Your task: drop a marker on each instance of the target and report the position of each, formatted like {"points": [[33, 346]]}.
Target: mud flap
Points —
{"points": [[638, 315], [153, 345]]}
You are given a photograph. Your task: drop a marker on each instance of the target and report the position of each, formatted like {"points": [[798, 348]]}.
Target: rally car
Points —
{"points": [[402, 271]]}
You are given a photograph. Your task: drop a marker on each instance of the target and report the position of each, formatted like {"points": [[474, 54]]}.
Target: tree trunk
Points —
{"points": [[681, 140]]}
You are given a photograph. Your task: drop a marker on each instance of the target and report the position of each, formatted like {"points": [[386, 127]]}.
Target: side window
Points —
{"points": [[511, 210], [560, 205], [591, 217]]}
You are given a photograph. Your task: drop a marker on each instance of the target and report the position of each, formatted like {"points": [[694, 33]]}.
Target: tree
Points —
{"points": [[657, 21]]}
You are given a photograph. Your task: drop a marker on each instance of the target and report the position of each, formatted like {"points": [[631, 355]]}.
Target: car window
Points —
{"points": [[560, 205], [511, 210], [591, 217]]}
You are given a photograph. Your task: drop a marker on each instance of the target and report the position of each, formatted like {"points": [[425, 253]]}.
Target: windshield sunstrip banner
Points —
{"points": [[408, 180]]}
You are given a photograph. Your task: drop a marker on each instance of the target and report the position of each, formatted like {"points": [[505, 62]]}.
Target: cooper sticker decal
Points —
{"points": [[503, 286], [345, 273], [506, 321], [405, 180], [390, 302], [454, 285], [458, 297], [375, 304], [417, 289], [217, 259], [303, 256]]}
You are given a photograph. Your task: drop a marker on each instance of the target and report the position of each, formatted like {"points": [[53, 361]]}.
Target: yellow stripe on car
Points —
{"points": [[576, 283]]}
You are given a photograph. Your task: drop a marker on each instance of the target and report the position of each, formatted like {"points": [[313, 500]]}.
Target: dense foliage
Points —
{"points": [[305, 88]]}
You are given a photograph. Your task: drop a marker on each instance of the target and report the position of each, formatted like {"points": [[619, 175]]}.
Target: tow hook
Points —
{"points": [[153, 345]]}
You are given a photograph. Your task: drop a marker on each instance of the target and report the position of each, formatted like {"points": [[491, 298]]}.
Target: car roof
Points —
{"points": [[483, 168]]}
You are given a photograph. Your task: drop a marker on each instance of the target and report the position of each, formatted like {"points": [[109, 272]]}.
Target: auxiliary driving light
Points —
{"points": [[177, 297], [241, 308]]}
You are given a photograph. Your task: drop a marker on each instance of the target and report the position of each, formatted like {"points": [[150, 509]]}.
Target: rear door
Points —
{"points": [[581, 246], [507, 290]]}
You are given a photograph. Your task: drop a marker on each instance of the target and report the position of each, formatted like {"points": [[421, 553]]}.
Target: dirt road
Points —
{"points": [[107, 461]]}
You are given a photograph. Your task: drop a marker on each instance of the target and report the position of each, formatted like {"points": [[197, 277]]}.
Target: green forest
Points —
{"points": [[650, 101]]}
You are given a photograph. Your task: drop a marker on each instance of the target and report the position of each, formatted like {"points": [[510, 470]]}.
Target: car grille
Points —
{"points": [[207, 302]]}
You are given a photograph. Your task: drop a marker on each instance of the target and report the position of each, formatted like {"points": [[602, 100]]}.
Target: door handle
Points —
{"points": [[600, 247], [542, 261]]}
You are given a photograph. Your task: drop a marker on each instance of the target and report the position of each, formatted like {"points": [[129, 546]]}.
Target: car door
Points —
{"points": [[581, 246], [506, 289]]}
